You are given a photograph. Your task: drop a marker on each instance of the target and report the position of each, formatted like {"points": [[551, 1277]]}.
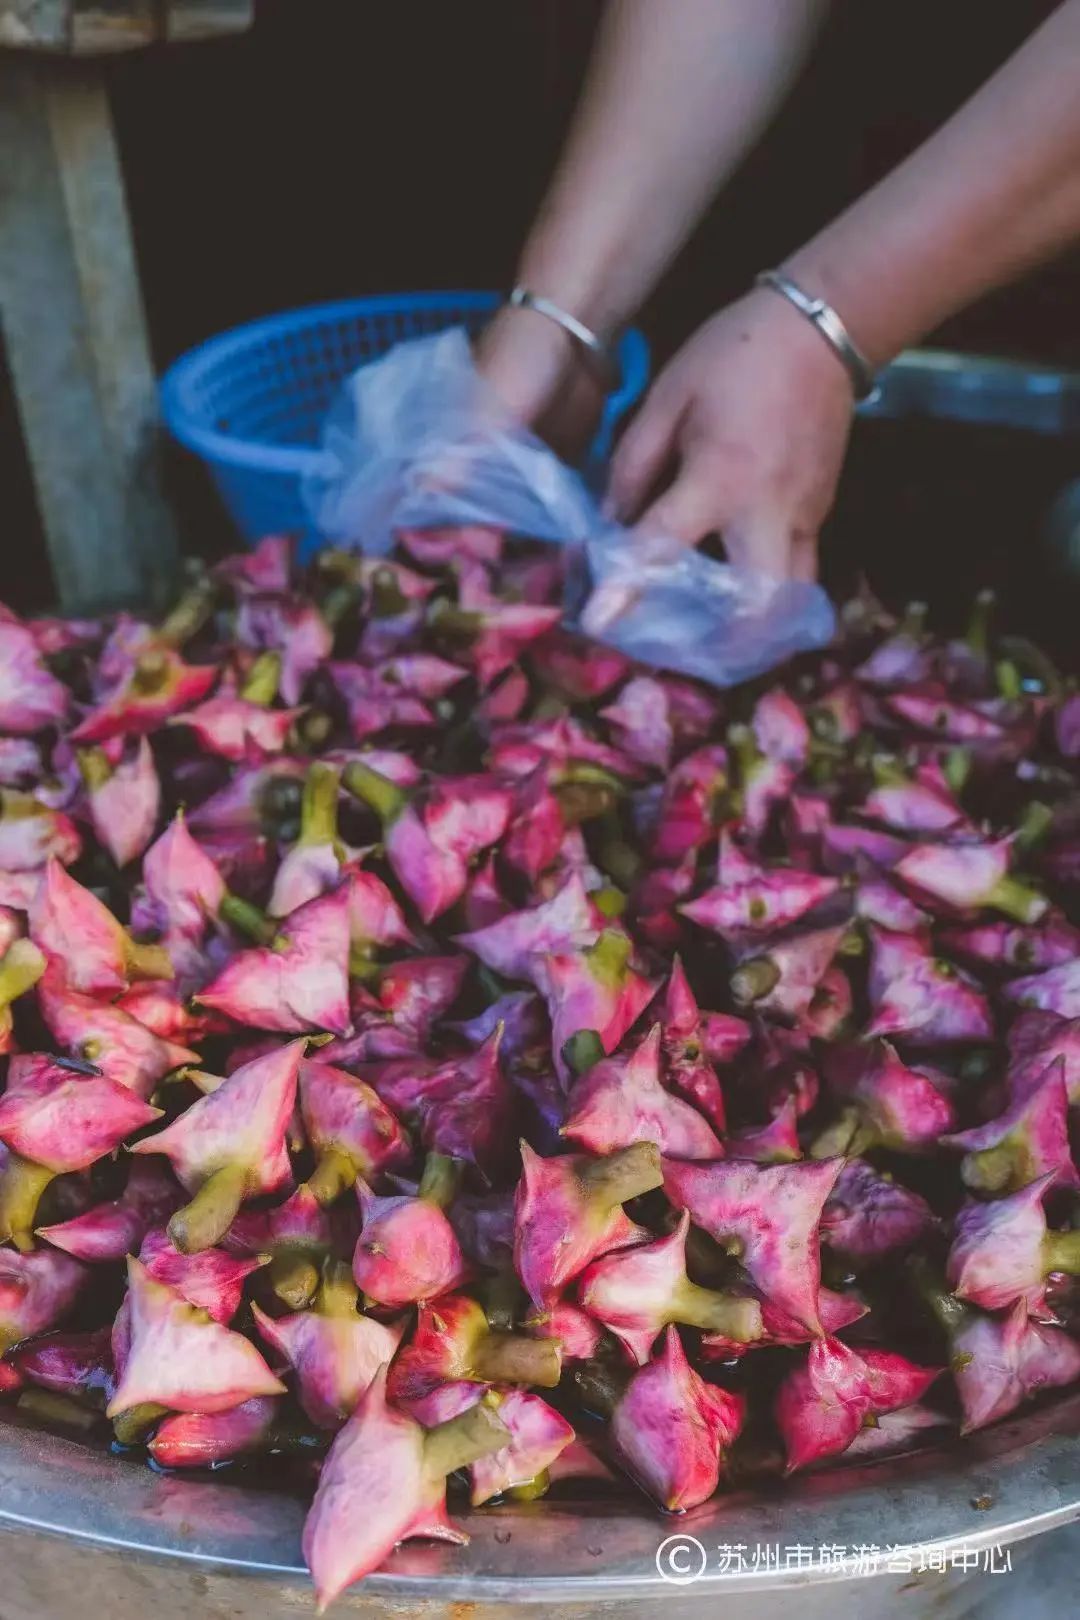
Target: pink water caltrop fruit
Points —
{"points": [[205, 1440], [579, 670], [78, 1365], [312, 867], [157, 685], [462, 1108], [78, 932], [1028, 1141], [123, 798], [446, 544], [1057, 990], [904, 657], [635, 1293], [56, 1120], [883, 1104], [688, 1061], [1035, 1047], [385, 1482], [620, 1100], [453, 1340], [641, 722], [1002, 1251], [931, 711], [764, 782], [830, 1013], [395, 693], [594, 997], [485, 632], [182, 889], [535, 835], [779, 1328], [692, 793], [822, 1405], [300, 983], [776, 1142], [922, 803], [333, 1351], [869, 1215], [412, 997], [578, 1333], [879, 901], [31, 697], [671, 1430], [568, 1211], [21, 967], [768, 1216], [919, 998], [782, 980], [32, 833], [294, 1238], [969, 877], [106, 1233], [213, 1279], [229, 1146], [180, 1358], [430, 841], [749, 897], [37, 1290], [781, 729], [265, 568], [850, 849], [351, 1132], [1015, 947], [514, 946], [408, 1251], [238, 726], [21, 764], [538, 1437], [108, 1038]]}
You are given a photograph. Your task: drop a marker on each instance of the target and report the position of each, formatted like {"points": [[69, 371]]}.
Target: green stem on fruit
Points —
{"points": [[754, 980], [247, 919], [335, 1172], [22, 1185], [462, 1439], [132, 1427], [377, 791], [94, 768], [624, 1174], [147, 961], [204, 1222], [21, 967], [977, 635], [1061, 1252], [510, 1358], [319, 805], [735, 1316], [440, 1180], [1020, 901], [294, 1278], [1034, 825], [583, 1051], [261, 685]]}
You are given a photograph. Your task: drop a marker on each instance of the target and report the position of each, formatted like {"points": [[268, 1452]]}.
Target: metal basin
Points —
{"points": [[175, 1534]]}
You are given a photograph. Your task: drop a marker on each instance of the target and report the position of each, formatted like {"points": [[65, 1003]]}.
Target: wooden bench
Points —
{"points": [[70, 305]]}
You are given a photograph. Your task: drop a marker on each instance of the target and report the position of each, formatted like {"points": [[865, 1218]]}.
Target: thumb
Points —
{"points": [[641, 455]]}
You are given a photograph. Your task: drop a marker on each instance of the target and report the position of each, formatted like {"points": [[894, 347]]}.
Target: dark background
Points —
{"points": [[346, 147]]}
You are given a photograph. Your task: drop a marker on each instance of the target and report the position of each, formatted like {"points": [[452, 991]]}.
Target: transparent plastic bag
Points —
{"points": [[419, 440]]}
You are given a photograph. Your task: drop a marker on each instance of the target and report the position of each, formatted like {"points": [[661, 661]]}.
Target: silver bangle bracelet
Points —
{"points": [[582, 335], [828, 323]]}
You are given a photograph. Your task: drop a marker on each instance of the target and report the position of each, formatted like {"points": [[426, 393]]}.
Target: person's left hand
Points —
{"points": [[750, 422]]}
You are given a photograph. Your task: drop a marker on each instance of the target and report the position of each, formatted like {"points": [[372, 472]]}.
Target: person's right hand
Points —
{"points": [[747, 426], [540, 375]]}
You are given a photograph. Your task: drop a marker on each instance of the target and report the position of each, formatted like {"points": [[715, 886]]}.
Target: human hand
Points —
{"points": [[539, 374], [751, 420]]}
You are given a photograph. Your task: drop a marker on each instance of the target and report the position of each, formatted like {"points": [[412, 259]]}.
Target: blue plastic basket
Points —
{"points": [[252, 402]]}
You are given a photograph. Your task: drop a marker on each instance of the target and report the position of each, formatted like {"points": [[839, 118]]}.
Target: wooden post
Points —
{"points": [[76, 338]]}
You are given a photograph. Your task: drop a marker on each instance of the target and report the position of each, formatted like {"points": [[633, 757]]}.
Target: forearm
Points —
{"points": [[995, 191], [677, 92]]}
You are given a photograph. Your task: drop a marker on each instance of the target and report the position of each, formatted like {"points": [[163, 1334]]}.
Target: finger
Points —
{"points": [[641, 455], [761, 543], [804, 557], [690, 509]]}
